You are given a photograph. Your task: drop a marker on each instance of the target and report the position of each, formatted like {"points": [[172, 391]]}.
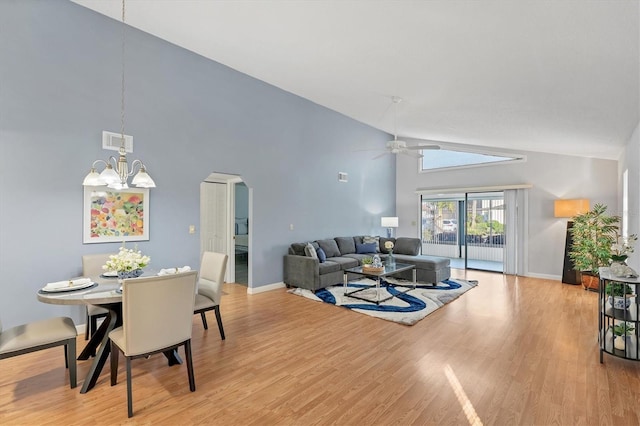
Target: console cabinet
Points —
{"points": [[618, 323]]}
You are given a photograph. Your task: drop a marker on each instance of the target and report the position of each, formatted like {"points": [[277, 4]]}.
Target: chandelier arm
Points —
{"points": [[135, 163], [93, 166]]}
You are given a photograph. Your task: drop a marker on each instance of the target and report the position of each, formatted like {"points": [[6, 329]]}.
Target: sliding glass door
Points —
{"points": [[467, 228]]}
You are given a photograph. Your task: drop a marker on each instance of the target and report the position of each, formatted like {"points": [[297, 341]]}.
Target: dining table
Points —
{"points": [[106, 292]]}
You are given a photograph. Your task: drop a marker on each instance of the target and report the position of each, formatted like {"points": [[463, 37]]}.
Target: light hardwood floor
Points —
{"points": [[513, 351]]}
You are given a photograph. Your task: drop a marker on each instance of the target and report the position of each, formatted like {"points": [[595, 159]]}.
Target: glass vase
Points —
{"points": [[390, 262]]}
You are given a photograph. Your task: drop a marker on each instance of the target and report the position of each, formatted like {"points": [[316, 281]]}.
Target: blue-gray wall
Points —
{"points": [[189, 116]]}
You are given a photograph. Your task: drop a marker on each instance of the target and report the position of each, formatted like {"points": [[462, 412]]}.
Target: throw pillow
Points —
{"points": [[410, 246], [365, 248], [383, 249], [310, 251], [322, 257], [330, 247], [346, 245], [374, 240]]}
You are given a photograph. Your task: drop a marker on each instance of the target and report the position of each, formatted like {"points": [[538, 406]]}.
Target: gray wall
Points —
{"points": [[552, 176], [189, 116]]}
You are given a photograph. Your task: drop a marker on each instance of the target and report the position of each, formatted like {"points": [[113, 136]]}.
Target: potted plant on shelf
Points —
{"points": [[617, 292], [621, 332], [594, 233]]}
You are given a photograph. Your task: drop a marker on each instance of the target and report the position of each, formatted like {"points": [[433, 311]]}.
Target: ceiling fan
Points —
{"points": [[397, 146]]}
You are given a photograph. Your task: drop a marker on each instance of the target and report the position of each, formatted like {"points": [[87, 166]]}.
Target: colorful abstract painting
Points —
{"points": [[116, 215]]}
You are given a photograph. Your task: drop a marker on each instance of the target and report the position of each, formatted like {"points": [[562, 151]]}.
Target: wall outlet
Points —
{"points": [[291, 227]]}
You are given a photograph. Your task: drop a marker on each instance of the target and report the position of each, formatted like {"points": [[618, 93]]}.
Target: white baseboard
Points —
{"points": [[263, 288], [544, 276]]}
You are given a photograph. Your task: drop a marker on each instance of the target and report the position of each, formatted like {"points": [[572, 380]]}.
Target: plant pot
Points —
{"points": [[619, 302], [590, 282], [620, 342]]}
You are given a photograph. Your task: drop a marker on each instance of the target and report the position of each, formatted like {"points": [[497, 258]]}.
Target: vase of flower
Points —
{"points": [[390, 261], [129, 274], [127, 263]]}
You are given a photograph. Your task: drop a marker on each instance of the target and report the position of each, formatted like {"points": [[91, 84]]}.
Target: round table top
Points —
{"points": [[104, 293]]}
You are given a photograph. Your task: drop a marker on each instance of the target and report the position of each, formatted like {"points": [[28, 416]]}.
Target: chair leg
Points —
{"points": [[204, 320], [94, 324], [66, 355], [115, 354], [187, 354], [70, 355], [129, 394], [219, 318], [87, 329]]}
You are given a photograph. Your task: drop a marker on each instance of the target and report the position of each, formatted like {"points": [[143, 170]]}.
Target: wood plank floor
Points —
{"points": [[513, 351]]}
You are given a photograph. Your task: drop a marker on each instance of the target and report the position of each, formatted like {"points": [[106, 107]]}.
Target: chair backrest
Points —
{"points": [[92, 264], [157, 311], [212, 270]]}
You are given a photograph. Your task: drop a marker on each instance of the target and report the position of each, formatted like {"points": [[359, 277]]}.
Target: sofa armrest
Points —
{"points": [[301, 271]]}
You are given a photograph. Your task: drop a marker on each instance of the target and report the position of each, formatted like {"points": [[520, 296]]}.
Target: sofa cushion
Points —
{"points": [[427, 263], [383, 240], [298, 249], [328, 267], [410, 246], [322, 257], [365, 248], [369, 240], [346, 245], [310, 251], [345, 262], [330, 247]]}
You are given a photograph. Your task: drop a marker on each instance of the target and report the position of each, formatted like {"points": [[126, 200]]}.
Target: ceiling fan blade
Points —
{"points": [[421, 147], [380, 156], [411, 154]]}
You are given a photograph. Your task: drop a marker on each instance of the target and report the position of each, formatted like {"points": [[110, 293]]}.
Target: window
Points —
{"points": [[448, 158]]}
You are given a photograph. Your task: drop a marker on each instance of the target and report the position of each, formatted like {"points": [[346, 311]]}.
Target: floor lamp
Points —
{"points": [[569, 208]]}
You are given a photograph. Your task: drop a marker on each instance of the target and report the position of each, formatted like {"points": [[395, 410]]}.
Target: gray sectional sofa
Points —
{"points": [[306, 270]]}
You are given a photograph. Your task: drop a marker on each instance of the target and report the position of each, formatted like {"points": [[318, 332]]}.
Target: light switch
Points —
{"points": [[192, 229], [291, 227]]}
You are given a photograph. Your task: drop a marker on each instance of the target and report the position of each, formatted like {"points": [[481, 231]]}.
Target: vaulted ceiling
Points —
{"points": [[538, 75]]}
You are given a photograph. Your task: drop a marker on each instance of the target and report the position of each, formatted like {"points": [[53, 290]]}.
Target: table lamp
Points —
{"points": [[569, 208], [389, 223]]}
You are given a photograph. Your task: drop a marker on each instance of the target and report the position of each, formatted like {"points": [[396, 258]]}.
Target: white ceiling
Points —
{"points": [[560, 76]]}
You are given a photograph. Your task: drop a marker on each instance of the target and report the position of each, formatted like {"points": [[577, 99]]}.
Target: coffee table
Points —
{"points": [[388, 271]]}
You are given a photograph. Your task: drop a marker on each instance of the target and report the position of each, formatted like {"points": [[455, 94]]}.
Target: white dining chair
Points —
{"points": [[212, 270], [91, 267], [39, 335], [157, 314]]}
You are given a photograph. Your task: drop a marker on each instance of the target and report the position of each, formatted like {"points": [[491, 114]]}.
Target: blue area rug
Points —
{"points": [[406, 307]]}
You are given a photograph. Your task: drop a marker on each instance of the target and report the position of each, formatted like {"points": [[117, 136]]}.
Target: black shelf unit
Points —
{"points": [[620, 346]]}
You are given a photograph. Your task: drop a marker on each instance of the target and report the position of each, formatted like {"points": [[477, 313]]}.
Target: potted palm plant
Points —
{"points": [[593, 232]]}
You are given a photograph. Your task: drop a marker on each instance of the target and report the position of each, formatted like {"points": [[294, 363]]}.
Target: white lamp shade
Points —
{"points": [[143, 180], [389, 222], [93, 179], [109, 176]]}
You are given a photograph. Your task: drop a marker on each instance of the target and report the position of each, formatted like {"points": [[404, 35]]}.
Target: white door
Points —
{"points": [[213, 217]]}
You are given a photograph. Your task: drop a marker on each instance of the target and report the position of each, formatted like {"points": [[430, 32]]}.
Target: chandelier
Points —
{"points": [[117, 172]]}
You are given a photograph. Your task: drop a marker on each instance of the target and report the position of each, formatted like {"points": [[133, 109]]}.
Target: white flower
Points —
{"points": [[126, 260], [623, 245], [388, 245]]}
